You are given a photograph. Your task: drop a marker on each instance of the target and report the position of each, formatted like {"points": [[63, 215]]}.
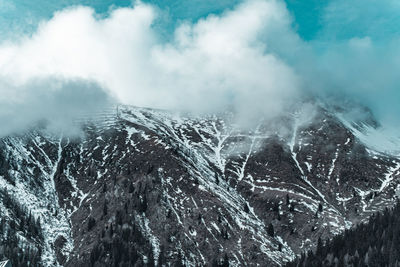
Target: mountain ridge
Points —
{"points": [[194, 190]]}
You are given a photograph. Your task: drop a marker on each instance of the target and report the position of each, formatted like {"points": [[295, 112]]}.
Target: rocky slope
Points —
{"points": [[148, 187]]}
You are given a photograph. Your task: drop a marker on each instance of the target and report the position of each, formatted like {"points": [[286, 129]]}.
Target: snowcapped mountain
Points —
{"points": [[150, 187]]}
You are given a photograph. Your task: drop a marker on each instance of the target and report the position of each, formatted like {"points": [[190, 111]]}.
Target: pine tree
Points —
{"points": [[246, 208], [105, 208], [270, 230], [320, 207]]}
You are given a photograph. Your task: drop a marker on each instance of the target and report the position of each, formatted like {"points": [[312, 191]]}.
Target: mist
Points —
{"points": [[252, 58], [52, 103]]}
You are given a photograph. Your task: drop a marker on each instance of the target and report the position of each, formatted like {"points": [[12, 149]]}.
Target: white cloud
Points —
{"points": [[249, 59], [218, 62]]}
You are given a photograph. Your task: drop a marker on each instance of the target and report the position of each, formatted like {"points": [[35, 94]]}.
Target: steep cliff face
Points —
{"points": [[148, 187]]}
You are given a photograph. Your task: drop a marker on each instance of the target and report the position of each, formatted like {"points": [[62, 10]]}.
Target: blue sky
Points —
{"points": [[313, 19], [24, 15]]}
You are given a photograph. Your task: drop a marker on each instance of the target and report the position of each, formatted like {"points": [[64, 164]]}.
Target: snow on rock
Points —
{"points": [[209, 186]]}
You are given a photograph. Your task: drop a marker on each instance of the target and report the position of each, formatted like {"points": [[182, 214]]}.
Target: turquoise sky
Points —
{"points": [[313, 19], [21, 16]]}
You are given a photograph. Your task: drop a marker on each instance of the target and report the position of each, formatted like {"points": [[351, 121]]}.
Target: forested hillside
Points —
{"points": [[20, 237], [376, 243]]}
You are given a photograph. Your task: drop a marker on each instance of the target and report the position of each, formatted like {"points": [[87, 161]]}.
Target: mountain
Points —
{"points": [[151, 187]]}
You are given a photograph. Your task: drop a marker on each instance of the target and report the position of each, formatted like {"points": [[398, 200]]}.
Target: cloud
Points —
{"points": [[249, 58], [344, 20], [54, 103], [221, 61], [364, 70], [355, 54], [215, 63]]}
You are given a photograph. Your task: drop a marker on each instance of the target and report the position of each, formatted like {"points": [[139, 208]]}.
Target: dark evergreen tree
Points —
{"points": [[246, 208], [270, 230], [91, 223], [373, 243], [320, 207], [105, 208], [225, 262]]}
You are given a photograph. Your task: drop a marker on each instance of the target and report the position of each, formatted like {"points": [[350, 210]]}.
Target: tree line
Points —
{"points": [[374, 243], [21, 235]]}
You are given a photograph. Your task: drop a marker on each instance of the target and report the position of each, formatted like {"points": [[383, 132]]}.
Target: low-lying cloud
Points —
{"points": [[54, 103], [249, 58]]}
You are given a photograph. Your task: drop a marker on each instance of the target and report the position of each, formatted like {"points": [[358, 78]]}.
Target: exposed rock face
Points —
{"points": [[150, 187]]}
